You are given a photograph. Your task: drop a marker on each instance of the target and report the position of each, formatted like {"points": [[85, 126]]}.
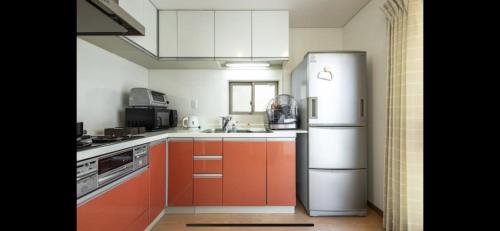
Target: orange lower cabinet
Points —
{"points": [[244, 171], [140, 223], [280, 172], [117, 208], [207, 165], [180, 172], [207, 190], [208, 146], [157, 186]]}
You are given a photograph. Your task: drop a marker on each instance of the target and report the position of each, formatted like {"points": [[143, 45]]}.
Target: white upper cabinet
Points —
{"points": [[150, 23], [270, 34], [168, 33], [146, 14], [195, 36], [233, 34], [210, 34]]}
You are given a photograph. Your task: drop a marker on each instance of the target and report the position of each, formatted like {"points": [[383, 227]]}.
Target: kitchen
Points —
{"points": [[211, 114]]}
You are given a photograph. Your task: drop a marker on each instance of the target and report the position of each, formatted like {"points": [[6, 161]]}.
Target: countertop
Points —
{"points": [[180, 132]]}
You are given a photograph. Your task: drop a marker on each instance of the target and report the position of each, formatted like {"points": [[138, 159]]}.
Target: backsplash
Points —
{"points": [[104, 80], [205, 93]]}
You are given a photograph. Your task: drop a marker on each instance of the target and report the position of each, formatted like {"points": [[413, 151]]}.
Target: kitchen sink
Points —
{"points": [[218, 130], [213, 130], [239, 131]]}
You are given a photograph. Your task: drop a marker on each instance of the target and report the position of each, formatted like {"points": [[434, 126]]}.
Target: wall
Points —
{"points": [[303, 40], [210, 88], [367, 31], [103, 82]]}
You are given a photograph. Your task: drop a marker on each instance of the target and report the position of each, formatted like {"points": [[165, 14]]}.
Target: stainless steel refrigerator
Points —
{"points": [[331, 157]]}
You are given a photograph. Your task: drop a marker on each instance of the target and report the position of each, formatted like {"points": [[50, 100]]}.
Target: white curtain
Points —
{"points": [[403, 207]]}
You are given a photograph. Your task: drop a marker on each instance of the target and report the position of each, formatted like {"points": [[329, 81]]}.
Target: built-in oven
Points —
{"points": [[92, 174], [114, 165]]}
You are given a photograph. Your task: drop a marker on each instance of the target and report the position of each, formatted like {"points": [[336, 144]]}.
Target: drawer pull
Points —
{"points": [[207, 175], [207, 157]]}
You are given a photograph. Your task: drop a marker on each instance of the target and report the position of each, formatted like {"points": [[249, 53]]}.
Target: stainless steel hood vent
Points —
{"points": [[105, 17]]}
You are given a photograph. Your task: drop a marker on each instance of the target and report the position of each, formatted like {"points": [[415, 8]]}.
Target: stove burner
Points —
{"points": [[107, 139], [83, 144], [98, 141]]}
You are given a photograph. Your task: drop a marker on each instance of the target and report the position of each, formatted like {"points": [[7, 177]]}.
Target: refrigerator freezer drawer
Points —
{"points": [[337, 192], [337, 147]]}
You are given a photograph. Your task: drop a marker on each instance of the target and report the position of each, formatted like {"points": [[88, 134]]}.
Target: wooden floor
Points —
{"points": [[178, 221]]}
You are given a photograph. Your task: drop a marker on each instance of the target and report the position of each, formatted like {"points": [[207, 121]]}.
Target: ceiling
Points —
{"points": [[303, 13]]}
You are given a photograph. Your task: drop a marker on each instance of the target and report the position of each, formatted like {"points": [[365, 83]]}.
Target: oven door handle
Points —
{"points": [[115, 173]]}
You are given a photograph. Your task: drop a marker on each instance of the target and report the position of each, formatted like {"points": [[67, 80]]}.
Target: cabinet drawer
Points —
{"points": [[208, 165], [208, 191], [212, 147]]}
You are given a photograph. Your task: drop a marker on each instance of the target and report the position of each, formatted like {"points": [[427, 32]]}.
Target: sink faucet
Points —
{"points": [[225, 121]]}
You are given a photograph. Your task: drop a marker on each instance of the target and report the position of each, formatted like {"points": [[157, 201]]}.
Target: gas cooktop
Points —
{"points": [[89, 142]]}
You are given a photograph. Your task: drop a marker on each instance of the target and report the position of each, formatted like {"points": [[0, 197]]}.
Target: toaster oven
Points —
{"points": [[147, 97]]}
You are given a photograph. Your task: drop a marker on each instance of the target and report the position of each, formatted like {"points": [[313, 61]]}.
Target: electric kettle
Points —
{"points": [[190, 122]]}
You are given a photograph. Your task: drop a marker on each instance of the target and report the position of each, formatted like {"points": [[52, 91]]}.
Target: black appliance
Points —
{"points": [[124, 131], [89, 142], [79, 129], [153, 118], [173, 118], [82, 140]]}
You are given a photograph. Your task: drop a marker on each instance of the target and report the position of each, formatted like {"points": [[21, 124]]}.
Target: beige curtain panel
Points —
{"points": [[403, 207]]}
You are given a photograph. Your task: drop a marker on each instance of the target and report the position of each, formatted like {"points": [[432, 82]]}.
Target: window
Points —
{"points": [[251, 97]]}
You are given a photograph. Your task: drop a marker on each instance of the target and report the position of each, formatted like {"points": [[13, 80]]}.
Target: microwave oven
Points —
{"points": [[151, 117]]}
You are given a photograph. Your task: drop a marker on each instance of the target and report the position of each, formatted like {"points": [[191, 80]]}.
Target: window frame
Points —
{"points": [[252, 84]]}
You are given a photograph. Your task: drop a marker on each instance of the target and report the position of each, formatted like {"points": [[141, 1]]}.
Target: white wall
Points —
{"points": [[103, 82], [367, 31], [210, 88], [303, 40]]}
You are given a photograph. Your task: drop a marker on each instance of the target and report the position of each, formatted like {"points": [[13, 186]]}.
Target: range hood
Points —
{"points": [[105, 17]]}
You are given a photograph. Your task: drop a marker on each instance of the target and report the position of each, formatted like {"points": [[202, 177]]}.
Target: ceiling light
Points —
{"points": [[247, 64]]}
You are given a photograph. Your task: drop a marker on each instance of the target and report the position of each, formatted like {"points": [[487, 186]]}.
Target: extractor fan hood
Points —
{"points": [[105, 17]]}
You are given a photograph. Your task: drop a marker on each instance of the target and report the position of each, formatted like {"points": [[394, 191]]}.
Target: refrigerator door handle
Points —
{"points": [[362, 107], [313, 107]]}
